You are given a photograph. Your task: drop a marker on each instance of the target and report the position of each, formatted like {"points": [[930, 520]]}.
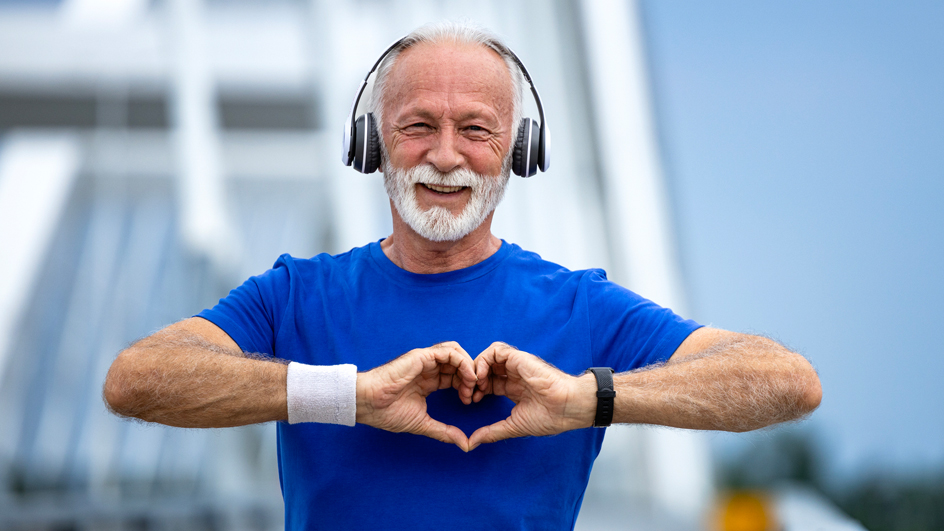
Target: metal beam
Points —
{"points": [[36, 175]]}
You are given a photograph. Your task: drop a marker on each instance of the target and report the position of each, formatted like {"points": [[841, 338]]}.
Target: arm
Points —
{"points": [[193, 375], [720, 380], [715, 380]]}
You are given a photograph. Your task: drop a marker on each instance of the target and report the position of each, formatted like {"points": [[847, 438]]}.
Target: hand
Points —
{"points": [[547, 401], [392, 397]]}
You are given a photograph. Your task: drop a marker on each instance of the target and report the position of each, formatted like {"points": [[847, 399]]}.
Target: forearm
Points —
{"points": [[739, 383], [179, 378]]}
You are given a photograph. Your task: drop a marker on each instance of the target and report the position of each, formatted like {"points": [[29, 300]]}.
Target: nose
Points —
{"points": [[444, 155]]}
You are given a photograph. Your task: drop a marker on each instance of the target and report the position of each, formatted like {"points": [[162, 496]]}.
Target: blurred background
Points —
{"points": [[774, 168]]}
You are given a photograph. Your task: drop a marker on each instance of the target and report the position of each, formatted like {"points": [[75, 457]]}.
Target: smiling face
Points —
{"points": [[447, 128]]}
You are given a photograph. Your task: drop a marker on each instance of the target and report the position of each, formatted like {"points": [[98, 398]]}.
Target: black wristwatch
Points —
{"points": [[606, 392]]}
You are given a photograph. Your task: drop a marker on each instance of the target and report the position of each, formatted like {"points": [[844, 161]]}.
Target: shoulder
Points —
{"points": [[530, 272], [532, 263], [288, 266], [589, 285], [529, 263]]}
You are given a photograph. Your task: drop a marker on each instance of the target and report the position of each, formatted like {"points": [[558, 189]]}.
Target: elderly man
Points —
{"points": [[454, 332]]}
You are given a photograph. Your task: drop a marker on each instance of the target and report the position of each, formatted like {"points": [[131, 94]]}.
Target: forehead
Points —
{"points": [[448, 71]]}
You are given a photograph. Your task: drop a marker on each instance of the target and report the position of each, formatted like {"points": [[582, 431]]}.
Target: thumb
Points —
{"points": [[443, 432], [501, 430]]}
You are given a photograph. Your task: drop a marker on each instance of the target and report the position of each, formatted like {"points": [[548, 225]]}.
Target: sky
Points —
{"points": [[803, 143]]}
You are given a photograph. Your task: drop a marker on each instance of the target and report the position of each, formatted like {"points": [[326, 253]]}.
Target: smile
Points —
{"points": [[443, 189]]}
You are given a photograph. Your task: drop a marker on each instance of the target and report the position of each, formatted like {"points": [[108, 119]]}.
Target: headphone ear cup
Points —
{"points": [[524, 159], [373, 147], [366, 144]]}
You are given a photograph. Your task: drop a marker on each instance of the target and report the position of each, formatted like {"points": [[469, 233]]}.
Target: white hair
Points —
{"points": [[454, 32]]}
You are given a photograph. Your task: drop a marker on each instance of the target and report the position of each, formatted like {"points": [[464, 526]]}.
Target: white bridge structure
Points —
{"points": [[156, 153]]}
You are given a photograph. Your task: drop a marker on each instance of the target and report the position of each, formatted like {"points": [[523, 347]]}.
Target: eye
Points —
{"points": [[417, 126], [476, 131]]}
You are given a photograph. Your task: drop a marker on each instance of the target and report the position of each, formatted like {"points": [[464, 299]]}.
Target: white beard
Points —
{"points": [[439, 224]]}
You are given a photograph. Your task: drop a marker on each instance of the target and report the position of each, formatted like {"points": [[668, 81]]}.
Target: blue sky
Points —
{"points": [[804, 144]]}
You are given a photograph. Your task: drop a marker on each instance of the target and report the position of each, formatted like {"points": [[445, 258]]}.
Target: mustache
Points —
{"points": [[427, 174]]}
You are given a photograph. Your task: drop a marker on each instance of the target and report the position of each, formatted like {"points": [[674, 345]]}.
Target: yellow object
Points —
{"points": [[745, 511]]}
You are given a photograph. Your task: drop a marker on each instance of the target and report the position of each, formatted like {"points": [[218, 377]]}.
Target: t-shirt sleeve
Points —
{"points": [[629, 331], [251, 314]]}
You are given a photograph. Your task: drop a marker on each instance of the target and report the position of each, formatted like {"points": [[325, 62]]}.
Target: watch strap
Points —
{"points": [[606, 393]]}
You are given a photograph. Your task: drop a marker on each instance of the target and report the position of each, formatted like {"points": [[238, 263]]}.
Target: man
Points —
{"points": [[496, 340]]}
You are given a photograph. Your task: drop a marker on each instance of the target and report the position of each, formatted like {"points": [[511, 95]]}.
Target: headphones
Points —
{"points": [[532, 146]]}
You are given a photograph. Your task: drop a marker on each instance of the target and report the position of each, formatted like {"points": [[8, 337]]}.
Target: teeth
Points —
{"points": [[443, 189]]}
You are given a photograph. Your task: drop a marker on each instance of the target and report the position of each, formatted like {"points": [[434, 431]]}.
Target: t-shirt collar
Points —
{"points": [[472, 272]]}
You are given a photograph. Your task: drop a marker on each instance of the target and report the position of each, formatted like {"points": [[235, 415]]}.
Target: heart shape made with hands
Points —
{"points": [[547, 401]]}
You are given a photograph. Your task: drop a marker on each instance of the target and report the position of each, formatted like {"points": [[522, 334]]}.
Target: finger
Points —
{"points": [[509, 361], [452, 354], [494, 385], [482, 371], [497, 356], [443, 432], [483, 385], [501, 430], [487, 363], [490, 369], [487, 357], [447, 376], [453, 345], [481, 368], [447, 356], [478, 395], [465, 391], [499, 384], [482, 390], [457, 377]]}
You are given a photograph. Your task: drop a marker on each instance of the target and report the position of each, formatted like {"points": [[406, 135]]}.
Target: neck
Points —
{"points": [[410, 251]]}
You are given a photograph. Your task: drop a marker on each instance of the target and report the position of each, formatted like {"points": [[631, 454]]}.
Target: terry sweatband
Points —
{"points": [[321, 393]]}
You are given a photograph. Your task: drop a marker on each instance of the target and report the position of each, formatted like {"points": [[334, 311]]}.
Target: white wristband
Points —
{"points": [[321, 393]]}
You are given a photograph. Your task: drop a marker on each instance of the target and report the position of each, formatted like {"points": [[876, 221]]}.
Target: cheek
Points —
{"points": [[406, 153], [485, 157]]}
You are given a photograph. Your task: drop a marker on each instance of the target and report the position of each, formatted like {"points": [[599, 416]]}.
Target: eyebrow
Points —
{"points": [[419, 113], [427, 114]]}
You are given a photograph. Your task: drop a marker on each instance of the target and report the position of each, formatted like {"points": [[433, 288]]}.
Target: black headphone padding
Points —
{"points": [[366, 160], [525, 145]]}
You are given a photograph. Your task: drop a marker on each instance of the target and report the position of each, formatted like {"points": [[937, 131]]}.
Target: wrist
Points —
{"points": [[362, 401], [582, 406]]}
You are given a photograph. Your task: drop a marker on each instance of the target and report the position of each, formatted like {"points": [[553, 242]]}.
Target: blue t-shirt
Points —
{"points": [[360, 308]]}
